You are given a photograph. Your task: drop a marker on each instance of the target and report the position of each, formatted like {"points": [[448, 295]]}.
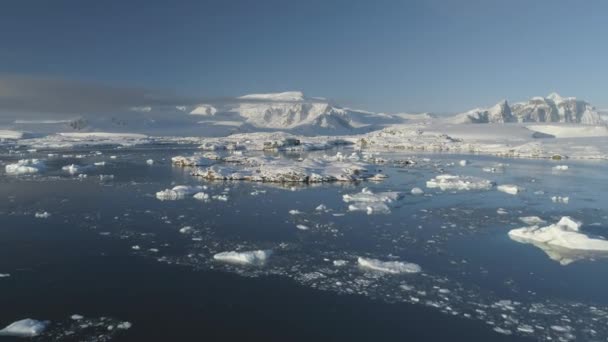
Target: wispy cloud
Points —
{"points": [[41, 94], [54, 95]]}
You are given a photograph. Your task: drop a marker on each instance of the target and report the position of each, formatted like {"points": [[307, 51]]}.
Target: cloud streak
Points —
{"points": [[42, 95], [54, 95]]}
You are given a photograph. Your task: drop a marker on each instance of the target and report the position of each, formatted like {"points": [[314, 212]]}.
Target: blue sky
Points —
{"points": [[440, 56]]}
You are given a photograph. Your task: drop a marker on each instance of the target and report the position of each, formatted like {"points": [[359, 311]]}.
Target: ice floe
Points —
{"points": [[201, 196], [258, 257], [562, 241], [417, 191], [370, 202], [510, 189], [532, 220], [281, 170], [560, 199], [42, 214], [393, 267], [25, 328], [453, 182], [178, 192], [25, 166]]}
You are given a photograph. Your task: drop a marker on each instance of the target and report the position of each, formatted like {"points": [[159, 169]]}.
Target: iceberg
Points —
{"points": [[393, 267], [178, 192], [258, 257], [562, 241], [25, 328], [509, 189], [451, 182], [371, 202], [25, 166]]}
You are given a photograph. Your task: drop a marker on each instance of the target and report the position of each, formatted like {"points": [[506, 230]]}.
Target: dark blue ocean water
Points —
{"points": [[112, 249]]}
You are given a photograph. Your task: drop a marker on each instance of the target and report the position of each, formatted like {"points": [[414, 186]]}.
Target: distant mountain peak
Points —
{"points": [[284, 96], [553, 108]]}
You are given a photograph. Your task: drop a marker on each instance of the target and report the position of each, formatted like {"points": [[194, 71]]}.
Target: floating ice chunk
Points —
{"points": [[223, 198], [340, 263], [5, 275], [124, 325], [532, 220], [178, 192], [74, 169], [370, 207], [201, 196], [560, 167], [417, 191], [294, 212], [76, 317], [463, 162], [150, 162], [378, 177], [101, 163], [321, 207], [135, 247], [371, 202], [561, 240], [501, 211], [185, 230], [42, 214], [104, 178], [451, 182], [367, 195], [509, 189], [25, 166], [25, 328], [302, 227], [560, 199], [393, 267], [258, 257]]}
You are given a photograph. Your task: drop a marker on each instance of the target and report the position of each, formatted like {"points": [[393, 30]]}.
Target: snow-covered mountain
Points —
{"points": [[290, 110], [552, 108], [499, 113]]}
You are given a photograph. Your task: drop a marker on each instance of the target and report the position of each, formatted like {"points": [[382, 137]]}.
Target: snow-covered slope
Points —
{"points": [[499, 113], [290, 110], [553, 108]]}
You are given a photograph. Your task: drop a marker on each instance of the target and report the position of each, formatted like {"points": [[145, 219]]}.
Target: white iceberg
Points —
{"points": [[201, 196], [25, 166], [371, 202], [509, 189], [562, 241], [560, 167], [258, 257], [42, 214], [393, 267], [25, 328], [560, 199], [417, 191], [74, 169], [178, 192], [452, 182]]}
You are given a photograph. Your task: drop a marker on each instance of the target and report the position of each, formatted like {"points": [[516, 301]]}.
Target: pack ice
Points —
{"points": [[279, 170], [453, 182]]}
